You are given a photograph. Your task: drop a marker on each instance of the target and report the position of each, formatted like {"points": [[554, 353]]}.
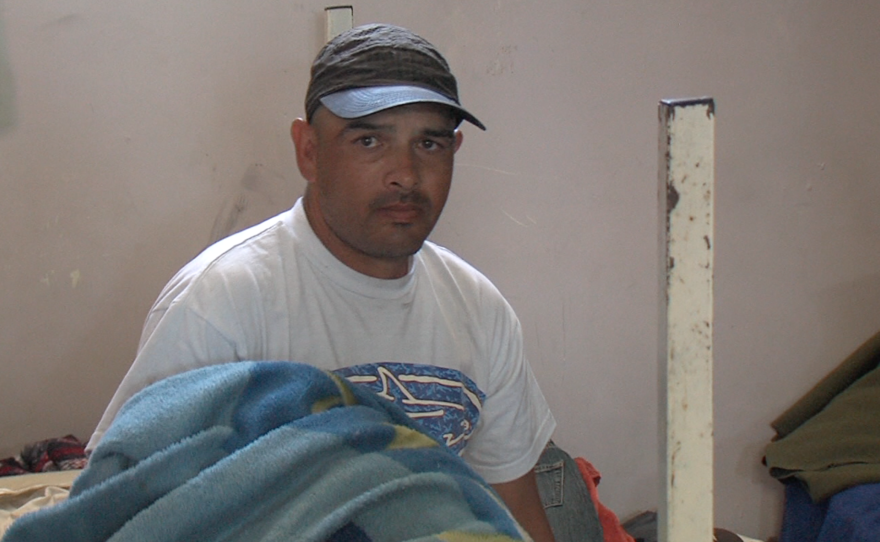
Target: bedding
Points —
{"points": [[26, 493], [852, 515], [65, 453], [269, 451], [827, 452]]}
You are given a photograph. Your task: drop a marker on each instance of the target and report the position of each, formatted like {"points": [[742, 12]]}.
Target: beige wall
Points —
{"points": [[143, 126]]}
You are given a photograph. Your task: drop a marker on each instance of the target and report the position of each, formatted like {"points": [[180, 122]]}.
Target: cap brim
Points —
{"points": [[355, 103]]}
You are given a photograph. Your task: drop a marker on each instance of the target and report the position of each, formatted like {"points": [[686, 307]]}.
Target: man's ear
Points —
{"points": [[459, 137], [306, 142]]}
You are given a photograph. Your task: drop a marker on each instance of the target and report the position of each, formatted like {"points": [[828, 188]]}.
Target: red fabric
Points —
{"points": [[612, 530], [65, 453], [11, 467]]}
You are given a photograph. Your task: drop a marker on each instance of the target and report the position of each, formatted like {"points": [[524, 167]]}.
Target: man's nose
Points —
{"points": [[404, 173]]}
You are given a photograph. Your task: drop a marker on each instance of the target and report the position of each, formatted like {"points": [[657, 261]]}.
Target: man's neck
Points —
{"points": [[380, 268]]}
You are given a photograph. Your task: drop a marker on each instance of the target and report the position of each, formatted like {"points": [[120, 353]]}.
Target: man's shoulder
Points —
{"points": [[248, 243], [444, 265], [241, 255], [438, 257]]}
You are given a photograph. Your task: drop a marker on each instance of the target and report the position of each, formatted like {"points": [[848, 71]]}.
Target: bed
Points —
{"points": [[268, 450], [249, 450], [26, 493]]}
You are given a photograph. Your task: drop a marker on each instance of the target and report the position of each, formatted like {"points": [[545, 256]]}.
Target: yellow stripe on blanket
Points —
{"points": [[346, 397], [404, 437], [458, 536]]}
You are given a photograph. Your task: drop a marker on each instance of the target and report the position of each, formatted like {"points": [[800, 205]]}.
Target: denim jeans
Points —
{"points": [[567, 502]]}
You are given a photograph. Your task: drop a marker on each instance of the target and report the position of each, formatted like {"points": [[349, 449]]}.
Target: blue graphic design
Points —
{"points": [[445, 402]]}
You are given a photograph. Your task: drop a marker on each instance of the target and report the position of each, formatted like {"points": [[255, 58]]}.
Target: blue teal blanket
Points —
{"points": [[269, 451]]}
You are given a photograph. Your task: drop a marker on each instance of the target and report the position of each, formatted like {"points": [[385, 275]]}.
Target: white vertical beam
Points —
{"points": [[687, 164], [338, 20]]}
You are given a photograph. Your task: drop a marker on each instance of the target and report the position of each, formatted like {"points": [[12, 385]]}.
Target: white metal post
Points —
{"points": [[687, 131], [338, 19]]}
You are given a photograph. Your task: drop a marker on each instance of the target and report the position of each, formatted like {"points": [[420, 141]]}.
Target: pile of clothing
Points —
{"points": [[827, 452], [65, 453]]}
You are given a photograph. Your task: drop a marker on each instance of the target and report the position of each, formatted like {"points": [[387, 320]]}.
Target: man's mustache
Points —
{"points": [[411, 197]]}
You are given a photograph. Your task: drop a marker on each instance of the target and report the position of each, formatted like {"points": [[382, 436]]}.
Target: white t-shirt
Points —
{"points": [[441, 341]]}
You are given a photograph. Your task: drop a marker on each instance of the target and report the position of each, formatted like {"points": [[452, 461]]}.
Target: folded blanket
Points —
{"points": [[862, 361], [269, 451], [851, 515], [830, 440]]}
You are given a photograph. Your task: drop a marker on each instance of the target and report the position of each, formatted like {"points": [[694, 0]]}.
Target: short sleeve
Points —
{"points": [[516, 422], [178, 340]]}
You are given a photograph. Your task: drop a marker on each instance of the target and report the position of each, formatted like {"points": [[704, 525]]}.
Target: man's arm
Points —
{"points": [[521, 496]]}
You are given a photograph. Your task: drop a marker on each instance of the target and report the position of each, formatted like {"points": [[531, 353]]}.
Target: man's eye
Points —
{"points": [[430, 145], [368, 141]]}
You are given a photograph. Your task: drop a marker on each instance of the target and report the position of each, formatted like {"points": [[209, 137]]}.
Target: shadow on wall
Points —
{"points": [[7, 86], [260, 194], [852, 309]]}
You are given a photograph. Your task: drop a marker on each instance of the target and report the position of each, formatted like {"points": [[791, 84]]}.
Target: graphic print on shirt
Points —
{"points": [[445, 402]]}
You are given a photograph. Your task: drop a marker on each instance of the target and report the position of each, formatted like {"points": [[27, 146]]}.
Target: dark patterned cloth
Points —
{"points": [[11, 467], [65, 453]]}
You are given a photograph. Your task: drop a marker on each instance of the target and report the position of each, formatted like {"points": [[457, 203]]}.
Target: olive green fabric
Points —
{"points": [[855, 366], [830, 439]]}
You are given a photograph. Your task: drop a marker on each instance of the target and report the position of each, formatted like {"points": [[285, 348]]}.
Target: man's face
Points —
{"points": [[378, 184]]}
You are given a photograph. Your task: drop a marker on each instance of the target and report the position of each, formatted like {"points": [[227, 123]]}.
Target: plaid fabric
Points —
{"points": [[11, 467], [65, 453]]}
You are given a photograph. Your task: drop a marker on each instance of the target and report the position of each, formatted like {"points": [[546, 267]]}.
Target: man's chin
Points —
{"points": [[397, 249]]}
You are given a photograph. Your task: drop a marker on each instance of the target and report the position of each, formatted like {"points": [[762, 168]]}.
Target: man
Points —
{"points": [[345, 280]]}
